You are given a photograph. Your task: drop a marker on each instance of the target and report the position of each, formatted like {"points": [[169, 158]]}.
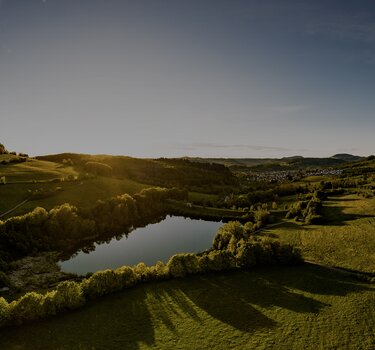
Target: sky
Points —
{"points": [[209, 78]]}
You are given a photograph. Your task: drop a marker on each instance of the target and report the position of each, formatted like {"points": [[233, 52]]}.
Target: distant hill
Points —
{"points": [[285, 163], [346, 157], [161, 172]]}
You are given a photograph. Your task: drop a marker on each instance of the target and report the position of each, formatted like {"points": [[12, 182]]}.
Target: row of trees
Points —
{"points": [[234, 247], [66, 225], [3, 150]]}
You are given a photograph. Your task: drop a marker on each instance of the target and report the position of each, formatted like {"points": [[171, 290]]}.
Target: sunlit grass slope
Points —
{"points": [[347, 238], [25, 178], [83, 194], [303, 307], [35, 170]]}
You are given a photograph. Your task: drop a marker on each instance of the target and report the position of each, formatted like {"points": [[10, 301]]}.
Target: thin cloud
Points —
{"points": [[205, 145]]}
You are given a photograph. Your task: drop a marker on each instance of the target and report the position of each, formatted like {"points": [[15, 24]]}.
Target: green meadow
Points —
{"points": [[346, 239], [305, 306], [300, 307]]}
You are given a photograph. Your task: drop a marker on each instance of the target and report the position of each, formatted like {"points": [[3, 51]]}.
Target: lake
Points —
{"points": [[146, 244]]}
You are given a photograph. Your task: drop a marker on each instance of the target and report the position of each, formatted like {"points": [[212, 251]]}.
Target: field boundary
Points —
{"points": [[14, 208]]}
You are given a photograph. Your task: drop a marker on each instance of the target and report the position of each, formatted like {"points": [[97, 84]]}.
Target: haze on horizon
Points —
{"points": [[151, 78]]}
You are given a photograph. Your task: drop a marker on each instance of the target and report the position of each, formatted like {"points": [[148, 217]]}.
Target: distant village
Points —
{"points": [[289, 175]]}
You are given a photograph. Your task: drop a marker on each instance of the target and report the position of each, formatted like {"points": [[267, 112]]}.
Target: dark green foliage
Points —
{"points": [[67, 295], [217, 260], [248, 250], [158, 172], [228, 236], [13, 160], [4, 280], [245, 256], [65, 225], [3, 150], [180, 265], [29, 307], [307, 211]]}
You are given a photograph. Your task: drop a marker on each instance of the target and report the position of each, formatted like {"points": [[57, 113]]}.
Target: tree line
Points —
{"points": [[67, 225], [234, 247]]}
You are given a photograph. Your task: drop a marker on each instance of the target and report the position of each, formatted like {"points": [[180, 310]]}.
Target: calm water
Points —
{"points": [[148, 244]]}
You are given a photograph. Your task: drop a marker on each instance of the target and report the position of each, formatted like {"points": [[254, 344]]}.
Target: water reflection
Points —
{"points": [[149, 244]]}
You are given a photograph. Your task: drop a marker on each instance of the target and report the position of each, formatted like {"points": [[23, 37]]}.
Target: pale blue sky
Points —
{"points": [[171, 78]]}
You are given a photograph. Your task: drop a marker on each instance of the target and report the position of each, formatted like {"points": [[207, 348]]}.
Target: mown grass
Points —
{"points": [[346, 239], [35, 170], [301, 307]]}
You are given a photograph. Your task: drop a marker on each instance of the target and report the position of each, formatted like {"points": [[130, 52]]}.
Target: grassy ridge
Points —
{"points": [[35, 170], [27, 177], [304, 307]]}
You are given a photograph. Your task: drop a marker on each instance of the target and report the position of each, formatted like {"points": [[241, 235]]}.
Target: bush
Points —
{"points": [[4, 311], [180, 265], [246, 256], [159, 271], [28, 307], [102, 283], [217, 260]]}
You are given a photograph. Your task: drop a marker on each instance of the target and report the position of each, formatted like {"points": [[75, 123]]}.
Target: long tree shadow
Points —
{"points": [[337, 199], [128, 320], [120, 321], [321, 280], [335, 216], [227, 305], [233, 298]]}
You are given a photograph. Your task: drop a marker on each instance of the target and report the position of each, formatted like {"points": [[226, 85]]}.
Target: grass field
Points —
{"points": [[200, 197], [79, 193], [347, 238], [35, 170], [302, 307], [36, 175]]}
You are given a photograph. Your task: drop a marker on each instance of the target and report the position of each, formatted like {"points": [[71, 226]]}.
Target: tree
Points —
{"points": [[3, 150]]}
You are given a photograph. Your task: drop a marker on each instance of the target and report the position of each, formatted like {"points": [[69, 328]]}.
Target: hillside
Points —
{"points": [[161, 172], [274, 164]]}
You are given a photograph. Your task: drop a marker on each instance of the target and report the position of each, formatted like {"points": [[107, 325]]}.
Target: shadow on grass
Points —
{"points": [[291, 225], [334, 215], [140, 315], [119, 321], [337, 199]]}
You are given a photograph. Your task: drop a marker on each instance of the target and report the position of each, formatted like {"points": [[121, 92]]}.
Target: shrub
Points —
{"points": [[217, 260], [102, 283], [229, 233], [180, 265], [4, 311], [245, 256], [69, 295], [28, 307], [127, 276], [159, 271]]}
